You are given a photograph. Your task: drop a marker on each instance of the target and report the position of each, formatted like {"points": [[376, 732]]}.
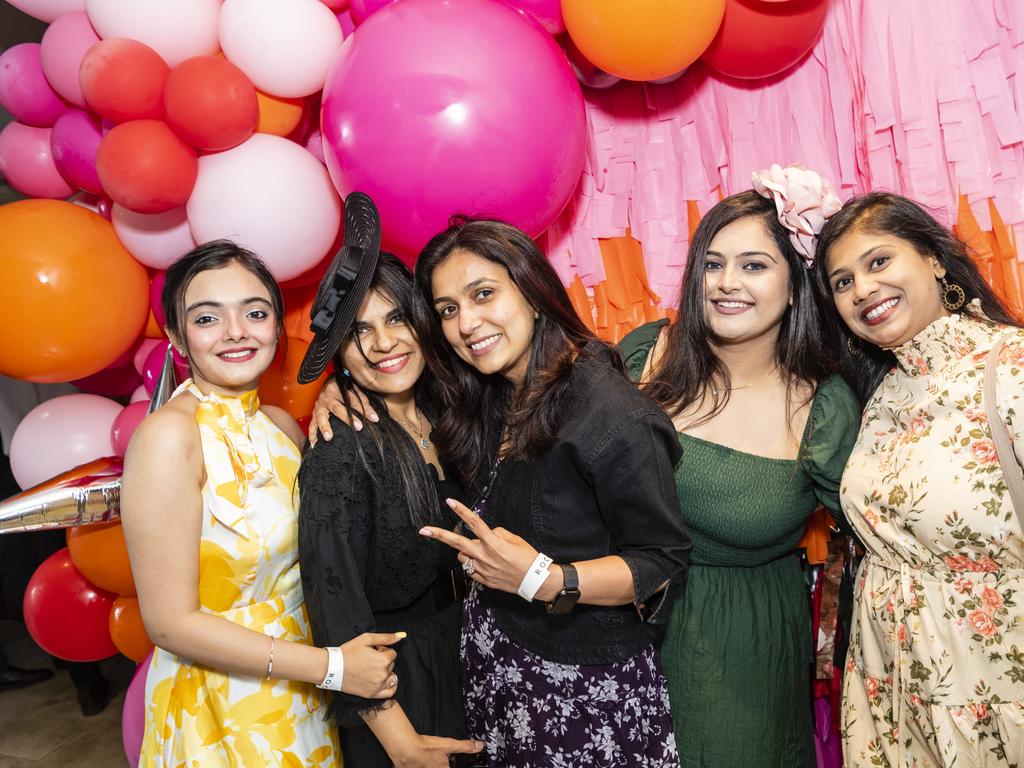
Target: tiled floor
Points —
{"points": [[42, 727]]}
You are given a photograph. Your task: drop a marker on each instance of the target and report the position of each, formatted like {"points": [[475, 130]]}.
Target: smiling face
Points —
{"points": [[230, 329], [382, 353], [484, 316], [746, 282], [885, 291]]}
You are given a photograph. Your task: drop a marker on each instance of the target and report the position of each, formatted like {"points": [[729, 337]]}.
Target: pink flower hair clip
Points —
{"points": [[804, 201]]}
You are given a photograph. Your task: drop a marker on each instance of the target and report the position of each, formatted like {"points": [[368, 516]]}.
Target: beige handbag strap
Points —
{"points": [[1012, 472]]}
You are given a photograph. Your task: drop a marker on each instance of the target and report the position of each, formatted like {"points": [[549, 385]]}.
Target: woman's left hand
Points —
{"points": [[499, 557]]}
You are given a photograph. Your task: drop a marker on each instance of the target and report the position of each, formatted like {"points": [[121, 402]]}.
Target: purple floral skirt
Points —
{"points": [[533, 713]]}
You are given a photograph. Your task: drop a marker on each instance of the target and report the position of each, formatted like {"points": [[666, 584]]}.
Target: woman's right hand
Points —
{"points": [[369, 665], [433, 751], [329, 401]]}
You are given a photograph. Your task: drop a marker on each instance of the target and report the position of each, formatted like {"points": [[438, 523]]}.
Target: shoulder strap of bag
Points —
{"points": [[1012, 471]]}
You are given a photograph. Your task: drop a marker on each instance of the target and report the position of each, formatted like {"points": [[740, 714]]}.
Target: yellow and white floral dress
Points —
{"points": [[198, 717], [935, 673]]}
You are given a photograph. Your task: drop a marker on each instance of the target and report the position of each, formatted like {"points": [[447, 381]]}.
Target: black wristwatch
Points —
{"points": [[566, 599]]}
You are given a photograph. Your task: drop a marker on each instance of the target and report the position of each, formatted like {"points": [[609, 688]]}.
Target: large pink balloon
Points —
{"points": [[133, 713], [434, 108], [176, 30], [361, 10], [155, 239], [26, 161], [270, 195], [63, 48], [59, 434], [75, 139], [24, 90], [125, 424], [547, 13], [48, 10], [284, 47]]}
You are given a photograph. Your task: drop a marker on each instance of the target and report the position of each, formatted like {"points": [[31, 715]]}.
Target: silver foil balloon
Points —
{"points": [[90, 493]]}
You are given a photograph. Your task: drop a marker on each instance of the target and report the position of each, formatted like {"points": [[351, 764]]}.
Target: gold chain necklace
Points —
{"points": [[715, 390], [418, 430]]}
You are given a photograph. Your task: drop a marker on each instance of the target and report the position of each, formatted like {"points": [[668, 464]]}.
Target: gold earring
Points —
{"points": [[953, 296], [854, 346]]}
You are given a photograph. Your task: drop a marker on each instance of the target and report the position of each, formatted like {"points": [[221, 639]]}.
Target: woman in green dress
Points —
{"points": [[746, 375]]}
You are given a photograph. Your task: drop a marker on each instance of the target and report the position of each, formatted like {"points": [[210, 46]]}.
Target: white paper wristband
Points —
{"points": [[335, 670], [535, 577]]}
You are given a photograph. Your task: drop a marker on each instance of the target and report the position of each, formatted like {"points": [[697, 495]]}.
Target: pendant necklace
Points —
{"points": [[418, 429]]}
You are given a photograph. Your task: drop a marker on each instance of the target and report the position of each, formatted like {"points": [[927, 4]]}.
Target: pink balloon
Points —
{"points": [[423, 111], [140, 394], [156, 304], [182, 370], [153, 365], [361, 10], [270, 195], [145, 346], [155, 239], [336, 5], [315, 144], [74, 141], [26, 161], [133, 713], [64, 45], [116, 380], [48, 10], [347, 25], [547, 13], [125, 424], [24, 90], [59, 434], [176, 30]]}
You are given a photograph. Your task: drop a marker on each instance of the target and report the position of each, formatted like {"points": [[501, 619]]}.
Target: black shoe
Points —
{"points": [[16, 677], [92, 698]]}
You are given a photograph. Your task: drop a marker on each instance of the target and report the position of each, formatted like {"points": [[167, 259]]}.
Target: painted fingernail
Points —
{"points": [[425, 532], [373, 416], [401, 635], [451, 503], [357, 424], [328, 435]]}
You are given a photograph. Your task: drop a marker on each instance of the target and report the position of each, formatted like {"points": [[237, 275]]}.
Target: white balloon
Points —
{"points": [[285, 47], [271, 196], [176, 29], [154, 239], [48, 10]]}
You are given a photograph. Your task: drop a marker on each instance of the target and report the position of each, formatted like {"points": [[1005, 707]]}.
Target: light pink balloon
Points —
{"points": [[285, 47], [60, 434], [48, 10], [315, 144], [63, 48], [176, 30], [125, 424], [547, 13], [26, 161], [24, 90], [270, 195], [140, 394], [145, 346], [133, 713], [155, 239]]}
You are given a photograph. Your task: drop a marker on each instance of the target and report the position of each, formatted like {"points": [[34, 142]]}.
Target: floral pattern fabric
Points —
{"points": [[249, 574], [533, 713], [935, 672]]}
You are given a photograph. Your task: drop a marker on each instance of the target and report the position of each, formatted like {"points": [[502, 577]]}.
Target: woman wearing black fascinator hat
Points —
{"points": [[365, 495]]}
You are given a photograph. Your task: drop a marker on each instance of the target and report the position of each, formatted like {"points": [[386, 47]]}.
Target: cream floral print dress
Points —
{"points": [[935, 673], [197, 717]]}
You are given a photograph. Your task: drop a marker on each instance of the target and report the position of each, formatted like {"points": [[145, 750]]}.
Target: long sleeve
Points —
{"points": [[336, 523]]}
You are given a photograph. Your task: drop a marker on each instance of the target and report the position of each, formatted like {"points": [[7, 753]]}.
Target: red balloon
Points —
{"points": [[123, 80], [210, 103], [65, 614], [761, 39], [145, 167]]}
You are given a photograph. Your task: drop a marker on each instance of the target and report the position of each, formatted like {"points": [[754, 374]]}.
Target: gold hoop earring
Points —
{"points": [[953, 296], [854, 346]]}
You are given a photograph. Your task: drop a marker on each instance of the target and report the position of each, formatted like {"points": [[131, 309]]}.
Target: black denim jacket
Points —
{"points": [[606, 487]]}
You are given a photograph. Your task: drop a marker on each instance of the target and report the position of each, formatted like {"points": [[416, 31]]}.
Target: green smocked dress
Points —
{"points": [[738, 647]]}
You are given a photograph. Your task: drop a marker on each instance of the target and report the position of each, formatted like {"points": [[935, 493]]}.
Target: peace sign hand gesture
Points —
{"points": [[498, 558]]}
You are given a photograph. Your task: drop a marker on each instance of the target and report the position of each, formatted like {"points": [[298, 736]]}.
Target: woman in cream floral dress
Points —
{"points": [[935, 674], [211, 526]]}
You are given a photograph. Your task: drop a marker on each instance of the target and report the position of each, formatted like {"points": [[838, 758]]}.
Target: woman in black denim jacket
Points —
{"points": [[576, 540]]}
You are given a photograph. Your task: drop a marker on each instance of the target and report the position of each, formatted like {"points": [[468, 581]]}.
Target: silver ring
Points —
{"points": [[469, 567]]}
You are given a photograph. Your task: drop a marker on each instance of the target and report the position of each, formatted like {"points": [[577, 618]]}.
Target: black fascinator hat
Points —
{"points": [[343, 286]]}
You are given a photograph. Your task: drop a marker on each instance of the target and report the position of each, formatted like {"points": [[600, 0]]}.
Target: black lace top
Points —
{"points": [[359, 552]]}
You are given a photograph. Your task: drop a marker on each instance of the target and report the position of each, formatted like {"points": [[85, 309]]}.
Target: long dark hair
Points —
{"points": [[398, 452], [689, 366], [476, 409], [215, 254], [864, 365]]}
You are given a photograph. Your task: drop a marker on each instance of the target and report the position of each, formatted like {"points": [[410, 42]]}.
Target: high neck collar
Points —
{"points": [[247, 403], [945, 342]]}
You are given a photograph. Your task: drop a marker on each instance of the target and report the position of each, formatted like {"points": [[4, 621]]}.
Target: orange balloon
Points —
{"points": [[99, 552], [642, 39], [279, 385], [297, 303], [278, 115], [72, 299], [127, 630], [153, 329]]}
